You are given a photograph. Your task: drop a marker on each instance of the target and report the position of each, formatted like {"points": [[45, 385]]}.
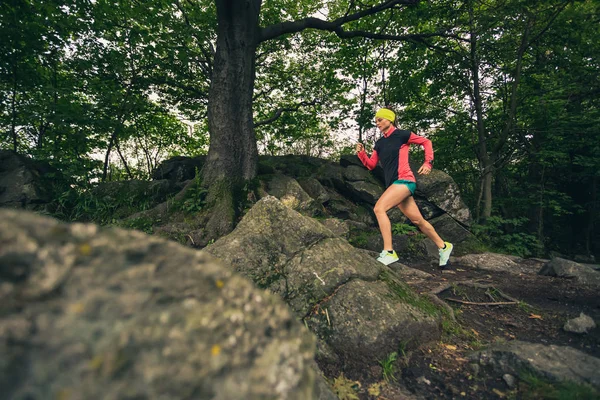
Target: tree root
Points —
{"points": [[433, 295], [442, 304], [498, 303]]}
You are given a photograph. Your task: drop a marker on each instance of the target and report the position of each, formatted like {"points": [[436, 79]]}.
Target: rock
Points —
{"points": [[396, 217], [428, 210], [179, 168], [440, 189], [314, 189], [509, 380], [295, 166], [94, 313], [347, 160], [570, 269], [22, 182], [556, 363], [497, 263], [411, 275], [581, 324], [337, 226], [363, 191], [289, 191], [408, 274], [332, 176], [450, 230], [584, 258], [423, 380], [355, 173], [359, 309]]}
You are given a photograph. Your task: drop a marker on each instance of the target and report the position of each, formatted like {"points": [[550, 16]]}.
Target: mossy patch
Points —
{"points": [[404, 293], [535, 387]]}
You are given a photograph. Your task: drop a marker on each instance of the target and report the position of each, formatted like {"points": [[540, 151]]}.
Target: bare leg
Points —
{"points": [[393, 196], [411, 210]]}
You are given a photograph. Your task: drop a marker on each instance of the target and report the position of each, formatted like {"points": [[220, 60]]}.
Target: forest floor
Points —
{"points": [[441, 370]]}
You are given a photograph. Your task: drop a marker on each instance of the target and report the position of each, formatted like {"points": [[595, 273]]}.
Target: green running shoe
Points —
{"points": [[445, 254], [387, 258]]}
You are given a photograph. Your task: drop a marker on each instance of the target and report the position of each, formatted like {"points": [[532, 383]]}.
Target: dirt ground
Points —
{"points": [[441, 370]]}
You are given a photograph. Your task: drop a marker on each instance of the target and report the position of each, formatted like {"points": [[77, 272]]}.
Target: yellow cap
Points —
{"points": [[387, 114]]}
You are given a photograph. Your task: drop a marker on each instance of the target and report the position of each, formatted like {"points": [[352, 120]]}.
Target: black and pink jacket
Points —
{"points": [[392, 151]]}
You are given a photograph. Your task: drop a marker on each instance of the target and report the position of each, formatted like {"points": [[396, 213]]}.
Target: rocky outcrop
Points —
{"points": [[89, 313], [179, 169], [556, 363], [21, 181], [562, 268], [291, 193], [360, 310]]}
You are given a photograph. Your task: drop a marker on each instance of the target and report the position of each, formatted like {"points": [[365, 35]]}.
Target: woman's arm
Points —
{"points": [[369, 162], [427, 146], [426, 143]]}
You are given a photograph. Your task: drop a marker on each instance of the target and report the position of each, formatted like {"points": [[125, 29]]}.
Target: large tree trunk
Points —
{"points": [[233, 154]]}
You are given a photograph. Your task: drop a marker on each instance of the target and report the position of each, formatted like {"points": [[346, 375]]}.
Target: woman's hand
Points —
{"points": [[424, 170], [359, 148]]}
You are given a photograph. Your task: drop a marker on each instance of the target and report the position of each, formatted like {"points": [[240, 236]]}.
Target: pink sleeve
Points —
{"points": [[426, 143], [371, 162]]}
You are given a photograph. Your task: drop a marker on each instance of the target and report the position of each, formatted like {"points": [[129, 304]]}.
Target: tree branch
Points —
{"points": [[208, 56], [273, 31], [277, 114]]}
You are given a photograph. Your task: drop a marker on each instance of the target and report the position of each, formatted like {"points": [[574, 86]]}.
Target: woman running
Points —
{"points": [[392, 151]]}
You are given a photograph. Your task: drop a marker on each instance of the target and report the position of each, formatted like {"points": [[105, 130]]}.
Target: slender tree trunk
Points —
{"points": [[13, 106], [129, 174], [107, 155], [485, 162], [593, 215], [540, 214], [233, 155]]}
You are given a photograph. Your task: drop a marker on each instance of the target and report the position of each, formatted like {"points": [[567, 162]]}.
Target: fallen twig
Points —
{"points": [[192, 239]]}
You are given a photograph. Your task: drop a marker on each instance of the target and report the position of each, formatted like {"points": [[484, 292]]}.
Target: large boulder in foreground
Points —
{"points": [[90, 313], [557, 363], [359, 309]]}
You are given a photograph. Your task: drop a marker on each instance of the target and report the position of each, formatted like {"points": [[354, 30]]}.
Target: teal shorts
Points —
{"points": [[412, 186]]}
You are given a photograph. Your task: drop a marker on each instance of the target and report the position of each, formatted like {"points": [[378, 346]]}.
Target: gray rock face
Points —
{"points": [[20, 185], [571, 270], [357, 173], [179, 168], [552, 362], [289, 191], [339, 291], [87, 313], [364, 191], [499, 263], [581, 324], [449, 230], [337, 226], [314, 189]]}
